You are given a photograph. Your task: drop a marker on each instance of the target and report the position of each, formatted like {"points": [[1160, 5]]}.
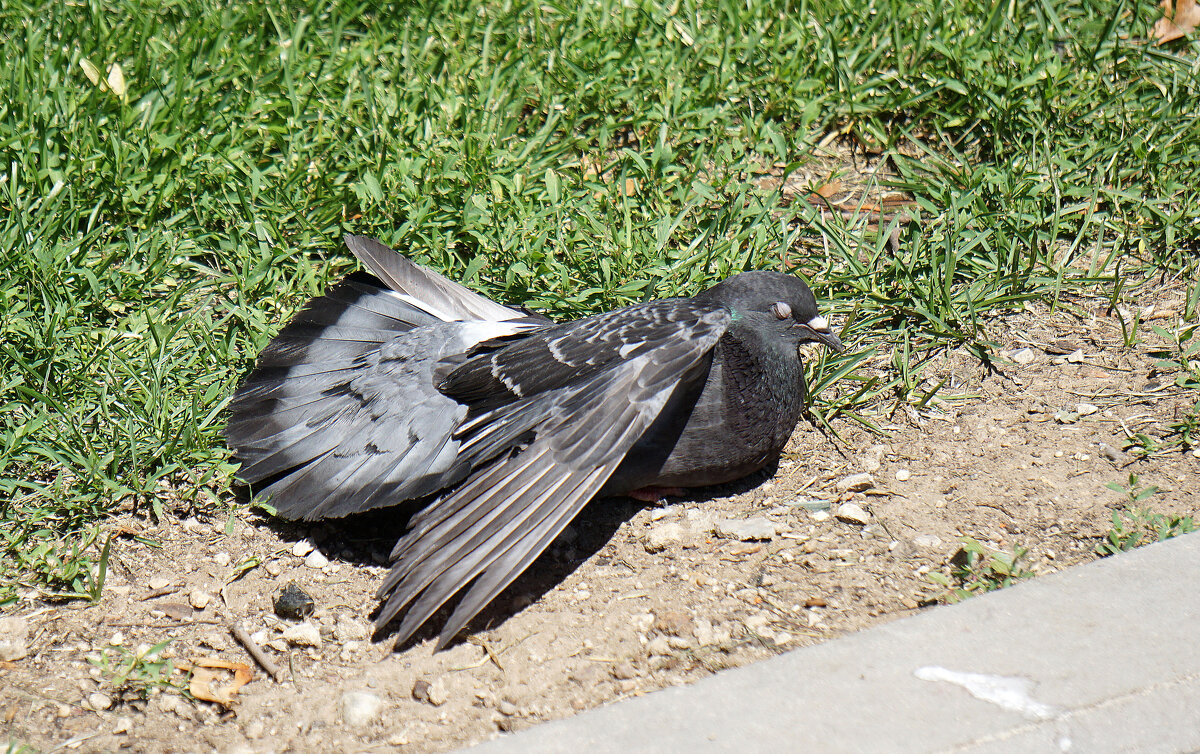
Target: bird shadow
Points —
{"points": [[366, 539]]}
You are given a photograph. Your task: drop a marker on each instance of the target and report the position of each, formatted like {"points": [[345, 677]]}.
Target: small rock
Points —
{"points": [[852, 513], [1086, 409], [1022, 356], [624, 670], [255, 729], [99, 702], [1066, 417], [293, 603], [506, 708], [273, 567], [1076, 356], [303, 635], [747, 529], [872, 459], [438, 694], [662, 536], [199, 599], [117, 639], [433, 693], [420, 690], [316, 559], [175, 610], [927, 540], [1110, 452], [856, 483], [673, 622], [820, 515], [14, 638], [158, 582], [222, 559], [302, 548], [659, 646], [755, 623], [122, 725], [903, 475], [679, 642], [260, 636], [359, 708], [347, 629]]}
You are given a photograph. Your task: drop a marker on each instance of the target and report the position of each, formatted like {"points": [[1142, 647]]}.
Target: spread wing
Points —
{"points": [[580, 395], [341, 414]]}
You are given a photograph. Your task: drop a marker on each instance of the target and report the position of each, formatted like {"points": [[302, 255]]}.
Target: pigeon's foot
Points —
{"points": [[653, 494]]}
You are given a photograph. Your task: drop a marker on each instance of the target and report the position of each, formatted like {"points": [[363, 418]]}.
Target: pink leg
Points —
{"points": [[653, 494]]}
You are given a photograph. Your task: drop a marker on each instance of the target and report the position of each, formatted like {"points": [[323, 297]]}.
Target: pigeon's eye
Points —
{"points": [[781, 310]]}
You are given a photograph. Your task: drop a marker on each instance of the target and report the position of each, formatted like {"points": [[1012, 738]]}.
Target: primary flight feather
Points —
{"points": [[402, 385]]}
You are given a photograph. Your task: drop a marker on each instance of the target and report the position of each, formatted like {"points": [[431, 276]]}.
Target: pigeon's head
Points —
{"points": [[775, 301]]}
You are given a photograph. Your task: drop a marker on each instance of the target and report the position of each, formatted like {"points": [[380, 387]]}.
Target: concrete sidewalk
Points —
{"points": [[1100, 658]]}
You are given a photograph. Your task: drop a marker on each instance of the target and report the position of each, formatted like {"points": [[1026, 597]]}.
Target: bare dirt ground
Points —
{"points": [[633, 598]]}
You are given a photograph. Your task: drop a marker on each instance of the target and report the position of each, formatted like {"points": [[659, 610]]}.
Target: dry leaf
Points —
{"points": [[116, 80], [1175, 23], [631, 186], [829, 189], [91, 71], [204, 673]]}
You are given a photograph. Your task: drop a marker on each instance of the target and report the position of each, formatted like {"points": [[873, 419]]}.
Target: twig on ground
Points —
{"points": [[257, 653]]}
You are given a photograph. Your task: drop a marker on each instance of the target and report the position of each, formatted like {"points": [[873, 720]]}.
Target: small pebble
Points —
{"points": [[431, 692], [273, 567], [14, 638], [359, 708], [99, 702], [158, 582], [852, 513], [903, 475], [302, 548], [747, 529], [303, 635], [506, 708], [199, 599], [222, 558], [819, 515], [122, 725], [316, 560], [1076, 356], [1022, 356], [659, 646], [856, 483], [117, 639], [927, 540], [661, 536], [1086, 409], [293, 603]]}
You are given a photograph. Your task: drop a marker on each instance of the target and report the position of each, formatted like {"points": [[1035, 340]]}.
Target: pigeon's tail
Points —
{"points": [[425, 289]]}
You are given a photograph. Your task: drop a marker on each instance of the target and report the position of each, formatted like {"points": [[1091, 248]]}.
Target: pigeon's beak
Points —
{"points": [[817, 330]]}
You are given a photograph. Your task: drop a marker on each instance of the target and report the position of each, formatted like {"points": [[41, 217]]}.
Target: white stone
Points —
{"points": [[853, 514], [222, 558], [747, 529], [927, 540], [1086, 409], [856, 483], [14, 638], [316, 560], [199, 599], [99, 702], [359, 708], [302, 548], [303, 635], [1022, 356], [903, 475], [661, 536]]}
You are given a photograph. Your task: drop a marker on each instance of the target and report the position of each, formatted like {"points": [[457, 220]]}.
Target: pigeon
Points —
{"points": [[402, 385]]}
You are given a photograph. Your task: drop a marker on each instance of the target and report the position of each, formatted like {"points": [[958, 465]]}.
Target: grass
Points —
{"points": [[570, 157], [976, 569]]}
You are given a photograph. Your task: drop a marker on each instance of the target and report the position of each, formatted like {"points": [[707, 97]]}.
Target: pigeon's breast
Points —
{"points": [[734, 425]]}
